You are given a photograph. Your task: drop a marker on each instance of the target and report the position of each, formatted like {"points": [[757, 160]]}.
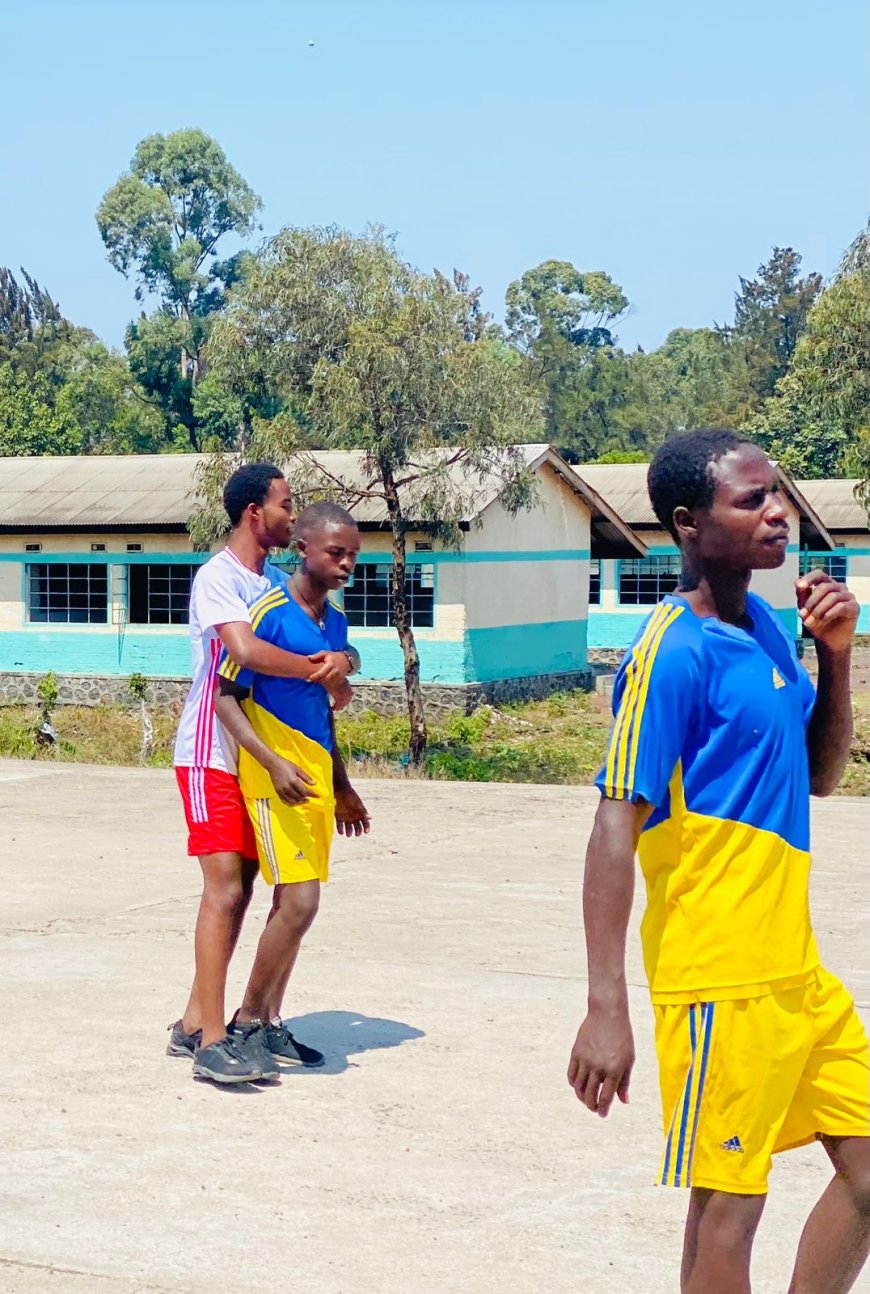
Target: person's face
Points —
{"points": [[330, 554], [273, 521], [746, 525]]}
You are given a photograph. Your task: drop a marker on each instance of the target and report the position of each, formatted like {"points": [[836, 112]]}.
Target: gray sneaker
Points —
{"points": [[224, 1063], [249, 1038], [284, 1046], [181, 1043]]}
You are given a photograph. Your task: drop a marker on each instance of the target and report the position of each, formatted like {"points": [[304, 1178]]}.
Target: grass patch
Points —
{"points": [[560, 740]]}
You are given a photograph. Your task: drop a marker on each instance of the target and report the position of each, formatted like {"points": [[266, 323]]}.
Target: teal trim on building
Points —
{"points": [[66, 649], [514, 651], [863, 626], [109, 559], [441, 661], [616, 630]]}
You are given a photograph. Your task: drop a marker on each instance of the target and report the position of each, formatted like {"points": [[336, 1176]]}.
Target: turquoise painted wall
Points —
{"points": [[68, 650], [612, 630], [511, 651]]}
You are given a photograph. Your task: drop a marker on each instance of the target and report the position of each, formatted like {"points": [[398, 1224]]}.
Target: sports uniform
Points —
{"points": [[205, 756], [293, 719], [760, 1048]]}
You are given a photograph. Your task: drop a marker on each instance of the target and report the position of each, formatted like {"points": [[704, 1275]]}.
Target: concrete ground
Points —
{"points": [[440, 1149]]}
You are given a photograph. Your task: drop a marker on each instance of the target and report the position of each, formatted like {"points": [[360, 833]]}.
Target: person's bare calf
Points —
{"points": [[836, 1238], [294, 908], [717, 1249], [228, 883]]}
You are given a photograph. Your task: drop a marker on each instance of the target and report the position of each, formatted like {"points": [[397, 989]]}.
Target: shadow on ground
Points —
{"points": [[341, 1035]]}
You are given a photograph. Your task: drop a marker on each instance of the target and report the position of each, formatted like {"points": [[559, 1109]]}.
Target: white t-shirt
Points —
{"points": [[222, 591]]}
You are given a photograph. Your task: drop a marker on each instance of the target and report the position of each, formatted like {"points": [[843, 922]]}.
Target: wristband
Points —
{"points": [[354, 659]]}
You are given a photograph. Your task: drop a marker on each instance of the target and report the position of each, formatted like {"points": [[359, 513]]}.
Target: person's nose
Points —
{"points": [[776, 513]]}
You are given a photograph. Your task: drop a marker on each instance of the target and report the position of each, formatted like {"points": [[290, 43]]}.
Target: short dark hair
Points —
{"points": [[679, 475], [247, 485], [317, 516]]}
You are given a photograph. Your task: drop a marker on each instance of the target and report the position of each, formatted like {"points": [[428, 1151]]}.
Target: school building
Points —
{"points": [[846, 520], [622, 590], [96, 566]]}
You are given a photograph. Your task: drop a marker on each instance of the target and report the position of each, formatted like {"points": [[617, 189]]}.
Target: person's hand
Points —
{"points": [[602, 1059], [342, 697], [351, 815], [827, 609], [333, 669], [291, 783]]}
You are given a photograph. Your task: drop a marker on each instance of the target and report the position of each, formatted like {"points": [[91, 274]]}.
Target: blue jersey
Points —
{"points": [[292, 703], [710, 729]]}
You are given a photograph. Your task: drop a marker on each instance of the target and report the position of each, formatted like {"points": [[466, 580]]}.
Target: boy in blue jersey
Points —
{"points": [[289, 721], [718, 741]]}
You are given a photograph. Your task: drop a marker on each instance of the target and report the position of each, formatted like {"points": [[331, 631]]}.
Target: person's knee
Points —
{"points": [[728, 1222], [858, 1185], [226, 894], [297, 907]]}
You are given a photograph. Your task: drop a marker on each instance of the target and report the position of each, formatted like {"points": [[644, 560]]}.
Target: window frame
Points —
{"points": [[56, 572], [170, 570], [650, 597], [359, 618]]}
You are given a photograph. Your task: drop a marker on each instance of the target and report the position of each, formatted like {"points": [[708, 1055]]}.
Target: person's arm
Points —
{"points": [[330, 669], [829, 612], [603, 1053], [351, 815], [291, 783]]}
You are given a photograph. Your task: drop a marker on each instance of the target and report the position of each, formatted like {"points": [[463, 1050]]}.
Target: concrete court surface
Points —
{"points": [[440, 1149]]}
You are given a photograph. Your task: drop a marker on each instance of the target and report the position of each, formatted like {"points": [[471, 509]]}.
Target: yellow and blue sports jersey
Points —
{"points": [[290, 715], [710, 729]]}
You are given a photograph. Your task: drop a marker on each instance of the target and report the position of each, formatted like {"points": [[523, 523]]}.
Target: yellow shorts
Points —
{"points": [[293, 840], [744, 1080]]}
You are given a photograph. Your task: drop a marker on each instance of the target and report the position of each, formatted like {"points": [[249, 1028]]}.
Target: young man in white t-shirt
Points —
{"points": [[260, 508]]}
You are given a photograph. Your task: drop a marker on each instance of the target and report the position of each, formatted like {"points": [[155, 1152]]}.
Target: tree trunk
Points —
{"points": [[413, 691]]}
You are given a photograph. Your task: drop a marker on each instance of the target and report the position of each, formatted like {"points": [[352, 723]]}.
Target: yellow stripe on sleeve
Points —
{"points": [[626, 735], [265, 605], [623, 716]]}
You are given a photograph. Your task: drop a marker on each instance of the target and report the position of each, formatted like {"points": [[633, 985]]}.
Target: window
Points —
{"points": [[98, 548], [33, 548], [595, 583], [134, 548], [368, 598], [644, 581], [63, 594], [834, 564], [159, 595]]}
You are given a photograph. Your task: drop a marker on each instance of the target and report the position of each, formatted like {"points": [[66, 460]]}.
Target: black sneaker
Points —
{"points": [[249, 1037], [224, 1063], [181, 1043], [284, 1046]]}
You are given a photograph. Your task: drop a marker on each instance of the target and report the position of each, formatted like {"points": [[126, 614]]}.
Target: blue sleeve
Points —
{"points": [[265, 626], [654, 700], [337, 633]]}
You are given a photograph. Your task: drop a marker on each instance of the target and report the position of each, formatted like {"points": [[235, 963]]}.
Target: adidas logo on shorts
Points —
{"points": [[732, 1144]]}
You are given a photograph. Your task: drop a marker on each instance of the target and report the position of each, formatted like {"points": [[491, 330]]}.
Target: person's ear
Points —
{"points": [[685, 523]]}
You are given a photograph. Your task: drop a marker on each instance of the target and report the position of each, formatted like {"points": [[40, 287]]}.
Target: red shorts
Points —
{"points": [[217, 820]]}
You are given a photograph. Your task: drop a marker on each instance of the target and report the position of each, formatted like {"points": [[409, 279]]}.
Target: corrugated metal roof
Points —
{"points": [[97, 490], [159, 489], [623, 485], [835, 502]]}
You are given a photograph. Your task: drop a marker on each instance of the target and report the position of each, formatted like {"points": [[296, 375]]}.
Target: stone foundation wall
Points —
{"points": [[386, 698]]}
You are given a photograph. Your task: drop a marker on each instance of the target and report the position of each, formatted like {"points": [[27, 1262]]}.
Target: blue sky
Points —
{"points": [[671, 144]]}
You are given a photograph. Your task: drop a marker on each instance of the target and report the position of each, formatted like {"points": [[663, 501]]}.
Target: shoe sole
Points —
{"points": [[201, 1072], [174, 1050], [296, 1060]]}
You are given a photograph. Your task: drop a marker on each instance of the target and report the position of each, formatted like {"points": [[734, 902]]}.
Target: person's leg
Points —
{"points": [[191, 1020], [836, 1238], [225, 896], [294, 907], [717, 1247]]}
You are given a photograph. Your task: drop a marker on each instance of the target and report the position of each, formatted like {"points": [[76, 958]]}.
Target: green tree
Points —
{"points": [[562, 321], [162, 223], [113, 413], [370, 354], [816, 423], [29, 421], [770, 312]]}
